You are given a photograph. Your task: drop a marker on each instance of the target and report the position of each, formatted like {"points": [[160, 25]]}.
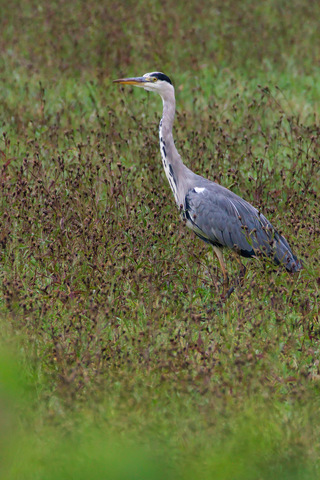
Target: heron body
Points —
{"points": [[216, 215]]}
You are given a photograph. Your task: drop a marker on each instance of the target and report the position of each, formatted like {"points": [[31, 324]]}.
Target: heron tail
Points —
{"points": [[284, 255]]}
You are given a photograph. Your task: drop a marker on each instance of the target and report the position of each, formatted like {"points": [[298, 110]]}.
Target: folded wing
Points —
{"points": [[224, 219]]}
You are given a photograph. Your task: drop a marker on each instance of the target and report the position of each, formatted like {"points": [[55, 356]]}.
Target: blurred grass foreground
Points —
{"points": [[257, 442], [118, 359]]}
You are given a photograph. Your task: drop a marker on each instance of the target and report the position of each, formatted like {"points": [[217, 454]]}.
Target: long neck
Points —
{"points": [[174, 168]]}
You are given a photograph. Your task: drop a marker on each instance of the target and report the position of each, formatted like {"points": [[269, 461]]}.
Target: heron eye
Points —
{"points": [[154, 79]]}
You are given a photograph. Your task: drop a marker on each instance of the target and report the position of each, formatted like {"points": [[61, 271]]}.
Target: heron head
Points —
{"points": [[153, 82]]}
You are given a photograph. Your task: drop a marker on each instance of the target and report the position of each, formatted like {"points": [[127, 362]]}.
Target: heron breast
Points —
{"points": [[167, 165]]}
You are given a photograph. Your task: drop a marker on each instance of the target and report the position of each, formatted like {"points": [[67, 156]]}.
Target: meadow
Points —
{"points": [[118, 358]]}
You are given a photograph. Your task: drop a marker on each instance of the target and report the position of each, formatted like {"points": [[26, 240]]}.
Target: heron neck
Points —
{"points": [[174, 168], [169, 107]]}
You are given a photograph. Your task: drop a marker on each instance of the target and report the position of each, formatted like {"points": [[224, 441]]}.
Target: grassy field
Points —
{"points": [[118, 358]]}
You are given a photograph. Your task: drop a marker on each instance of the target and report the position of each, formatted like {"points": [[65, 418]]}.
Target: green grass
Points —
{"points": [[123, 362]]}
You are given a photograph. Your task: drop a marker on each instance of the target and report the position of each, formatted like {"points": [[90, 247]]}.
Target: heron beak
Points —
{"points": [[138, 81]]}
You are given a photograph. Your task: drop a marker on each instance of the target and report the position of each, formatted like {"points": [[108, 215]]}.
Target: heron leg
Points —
{"points": [[218, 252], [243, 269]]}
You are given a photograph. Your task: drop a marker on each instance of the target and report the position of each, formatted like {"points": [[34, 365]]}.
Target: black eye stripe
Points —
{"points": [[161, 76]]}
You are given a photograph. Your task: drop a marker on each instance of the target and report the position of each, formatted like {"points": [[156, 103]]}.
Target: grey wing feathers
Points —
{"points": [[222, 218]]}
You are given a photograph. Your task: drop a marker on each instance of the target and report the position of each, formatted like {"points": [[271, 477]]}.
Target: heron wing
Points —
{"points": [[222, 218]]}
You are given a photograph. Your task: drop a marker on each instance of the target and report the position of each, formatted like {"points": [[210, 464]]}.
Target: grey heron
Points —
{"points": [[216, 215]]}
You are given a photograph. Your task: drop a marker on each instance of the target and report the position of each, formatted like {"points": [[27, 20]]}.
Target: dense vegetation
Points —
{"points": [[119, 358]]}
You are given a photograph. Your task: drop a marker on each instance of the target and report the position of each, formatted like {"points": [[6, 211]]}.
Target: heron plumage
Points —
{"points": [[226, 220]]}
